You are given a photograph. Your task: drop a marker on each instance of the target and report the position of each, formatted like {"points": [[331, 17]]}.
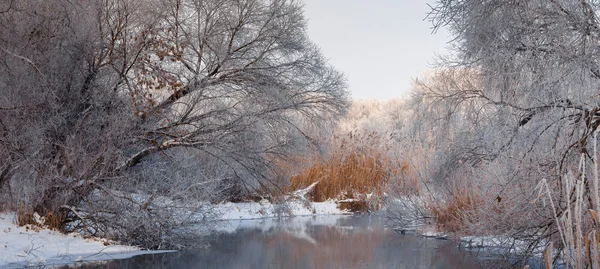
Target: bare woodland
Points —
{"points": [[130, 118], [509, 121], [126, 116]]}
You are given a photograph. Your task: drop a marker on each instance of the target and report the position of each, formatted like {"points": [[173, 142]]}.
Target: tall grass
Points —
{"points": [[356, 166], [578, 227], [453, 213], [342, 176]]}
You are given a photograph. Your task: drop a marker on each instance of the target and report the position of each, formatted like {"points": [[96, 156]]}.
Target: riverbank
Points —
{"points": [[34, 246], [265, 209]]}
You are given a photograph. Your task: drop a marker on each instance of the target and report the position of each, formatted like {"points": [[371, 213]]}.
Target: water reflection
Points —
{"points": [[310, 242]]}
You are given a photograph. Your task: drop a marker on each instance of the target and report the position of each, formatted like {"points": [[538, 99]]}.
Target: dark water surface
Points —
{"points": [[311, 242]]}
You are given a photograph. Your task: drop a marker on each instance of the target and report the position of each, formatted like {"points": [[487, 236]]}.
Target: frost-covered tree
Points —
{"points": [[519, 102], [107, 108], [237, 80]]}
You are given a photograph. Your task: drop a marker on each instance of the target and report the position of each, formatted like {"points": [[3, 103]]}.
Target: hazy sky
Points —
{"points": [[381, 45]]}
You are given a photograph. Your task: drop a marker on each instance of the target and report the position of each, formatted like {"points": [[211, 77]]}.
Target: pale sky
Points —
{"points": [[381, 45]]}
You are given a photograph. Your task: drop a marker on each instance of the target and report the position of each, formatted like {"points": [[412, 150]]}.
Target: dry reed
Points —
{"points": [[359, 165], [457, 209], [30, 218], [578, 227]]}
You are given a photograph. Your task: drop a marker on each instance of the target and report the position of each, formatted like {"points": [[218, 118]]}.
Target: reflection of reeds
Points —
{"points": [[333, 247]]}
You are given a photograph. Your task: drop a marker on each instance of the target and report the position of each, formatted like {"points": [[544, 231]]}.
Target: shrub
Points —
{"points": [[458, 209], [29, 217]]}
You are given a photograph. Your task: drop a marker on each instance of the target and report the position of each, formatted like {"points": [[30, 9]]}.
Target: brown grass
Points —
{"points": [[25, 217], [358, 165], [405, 180], [453, 214], [344, 176], [355, 206]]}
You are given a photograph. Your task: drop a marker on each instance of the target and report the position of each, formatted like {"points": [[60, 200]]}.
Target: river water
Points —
{"points": [[310, 242]]}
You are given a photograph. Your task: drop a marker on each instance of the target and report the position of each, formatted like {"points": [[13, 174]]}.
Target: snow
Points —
{"points": [[31, 246], [484, 241], [294, 204], [305, 191], [497, 241], [299, 223], [437, 235], [265, 209]]}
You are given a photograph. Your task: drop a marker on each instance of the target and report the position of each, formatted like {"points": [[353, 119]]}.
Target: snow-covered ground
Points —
{"points": [[266, 224], [293, 204], [27, 246], [32, 246], [265, 209], [498, 242], [492, 242]]}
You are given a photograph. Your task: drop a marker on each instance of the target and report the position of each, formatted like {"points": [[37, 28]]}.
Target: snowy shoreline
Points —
{"points": [[265, 209], [34, 246], [28, 246]]}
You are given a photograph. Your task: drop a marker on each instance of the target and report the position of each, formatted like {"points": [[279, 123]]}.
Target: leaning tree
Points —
{"points": [[131, 113]]}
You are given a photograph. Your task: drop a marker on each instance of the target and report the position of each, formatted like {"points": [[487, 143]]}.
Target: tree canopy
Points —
{"points": [[97, 94]]}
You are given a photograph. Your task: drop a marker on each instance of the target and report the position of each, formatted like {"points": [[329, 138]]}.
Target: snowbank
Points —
{"points": [[436, 235], [21, 246], [26, 246], [295, 226], [498, 242], [265, 209], [294, 204]]}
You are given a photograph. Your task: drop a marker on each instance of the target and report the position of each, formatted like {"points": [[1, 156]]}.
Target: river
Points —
{"points": [[310, 242]]}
